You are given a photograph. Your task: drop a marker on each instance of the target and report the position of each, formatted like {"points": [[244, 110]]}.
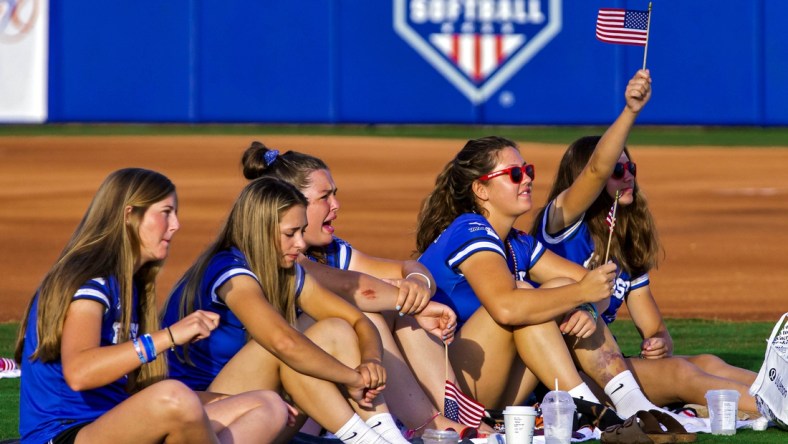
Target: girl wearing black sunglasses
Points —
{"points": [[573, 226]]}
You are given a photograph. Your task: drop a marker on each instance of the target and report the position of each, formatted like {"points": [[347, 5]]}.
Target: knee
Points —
{"points": [[270, 409], [332, 334], [707, 361], [176, 401]]}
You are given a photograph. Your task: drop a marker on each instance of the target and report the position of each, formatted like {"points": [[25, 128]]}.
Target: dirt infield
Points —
{"points": [[721, 212]]}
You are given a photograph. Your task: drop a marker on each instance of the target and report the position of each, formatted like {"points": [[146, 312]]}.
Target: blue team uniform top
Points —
{"points": [[464, 237], [211, 354], [47, 406], [575, 243], [337, 254]]}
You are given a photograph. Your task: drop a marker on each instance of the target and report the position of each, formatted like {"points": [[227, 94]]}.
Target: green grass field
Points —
{"points": [[741, 344], [641, 135]]}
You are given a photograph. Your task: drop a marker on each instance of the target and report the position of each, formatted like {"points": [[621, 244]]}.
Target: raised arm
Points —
{"points": [[575, 200]]}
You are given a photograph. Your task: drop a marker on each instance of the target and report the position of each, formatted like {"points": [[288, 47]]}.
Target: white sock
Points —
{"points": [[356, 431], [628, 398], [385, 426], [582, 391], [626, 395]]}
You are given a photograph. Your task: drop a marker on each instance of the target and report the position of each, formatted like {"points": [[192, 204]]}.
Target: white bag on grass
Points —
{"points": [[769, 388]]}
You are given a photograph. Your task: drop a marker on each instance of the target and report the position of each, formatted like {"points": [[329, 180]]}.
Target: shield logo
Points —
{"points": [[477, 45]]}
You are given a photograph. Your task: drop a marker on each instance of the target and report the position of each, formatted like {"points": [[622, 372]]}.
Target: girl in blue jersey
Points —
{"points": [[250, 277], [573, 226], [511, 334], [336, 264], [90, 344]]}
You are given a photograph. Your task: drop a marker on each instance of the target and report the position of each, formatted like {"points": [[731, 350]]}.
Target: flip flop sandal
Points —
{"points": [[653, 429], [674, 427], [630, 432]]}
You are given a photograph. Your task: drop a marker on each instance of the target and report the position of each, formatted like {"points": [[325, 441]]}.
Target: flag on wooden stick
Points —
{"points": [[611, 222], [456, 405]]}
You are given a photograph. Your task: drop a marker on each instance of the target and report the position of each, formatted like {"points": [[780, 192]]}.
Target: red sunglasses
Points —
{"points": [[621, 167], [515, 173]]}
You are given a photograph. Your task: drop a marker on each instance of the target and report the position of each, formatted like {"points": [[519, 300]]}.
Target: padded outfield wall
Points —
{"points": [[714, 62]]}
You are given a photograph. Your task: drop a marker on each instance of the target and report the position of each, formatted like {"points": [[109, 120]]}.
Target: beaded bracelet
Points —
{"points": [[150, 350], [138, 350], [591, 308], [426, 278]]}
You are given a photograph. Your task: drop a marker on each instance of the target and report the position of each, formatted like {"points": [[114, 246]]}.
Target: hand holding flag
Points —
{"points": [[611, 222]]}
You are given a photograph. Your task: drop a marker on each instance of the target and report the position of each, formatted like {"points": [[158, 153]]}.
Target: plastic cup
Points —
{"points": [[432, 436], [723, 405], [558, 412], [519, 424]]}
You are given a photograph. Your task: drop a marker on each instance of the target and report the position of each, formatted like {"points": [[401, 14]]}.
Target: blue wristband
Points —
{"points": [[138, 350], [150, 350]]}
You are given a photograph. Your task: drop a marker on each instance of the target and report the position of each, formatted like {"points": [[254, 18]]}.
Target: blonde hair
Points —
{"points": [[103, 245], [253, 227]]}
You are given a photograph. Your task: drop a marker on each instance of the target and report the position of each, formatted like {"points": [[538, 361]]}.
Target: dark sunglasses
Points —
{"points": [[621, 167], [515, 173]]}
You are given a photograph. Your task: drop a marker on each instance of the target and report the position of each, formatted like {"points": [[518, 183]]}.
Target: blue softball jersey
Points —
{"points": [[337, 254], [464, 237], [47, 405], [575, 243], [209, 355]]}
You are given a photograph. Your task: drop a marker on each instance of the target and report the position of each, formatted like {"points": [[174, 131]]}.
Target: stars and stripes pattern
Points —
{"points": [[461, 408], [611, 218], [477, 55], [623, 26]]}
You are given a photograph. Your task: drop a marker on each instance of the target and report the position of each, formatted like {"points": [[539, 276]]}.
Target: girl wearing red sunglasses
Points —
{"points": [[573, 226], [511, 334]]}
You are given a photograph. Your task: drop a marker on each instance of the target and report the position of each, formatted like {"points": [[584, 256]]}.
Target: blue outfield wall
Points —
{"points": [[721, 62]]}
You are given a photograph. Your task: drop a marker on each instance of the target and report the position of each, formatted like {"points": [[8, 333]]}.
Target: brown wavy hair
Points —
{"points": [[636, 245], [453, 193], [105, 245]]}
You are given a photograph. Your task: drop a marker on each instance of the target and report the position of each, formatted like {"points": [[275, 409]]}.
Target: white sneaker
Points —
{"points": [[9, 369], [760, 424]]}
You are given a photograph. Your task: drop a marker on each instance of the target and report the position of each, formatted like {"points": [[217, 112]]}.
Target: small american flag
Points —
{"points": [[461, 408], [625, 26], [611, 218]]}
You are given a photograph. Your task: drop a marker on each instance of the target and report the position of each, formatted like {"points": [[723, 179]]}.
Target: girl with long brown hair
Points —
{"points": [[90, 342]]}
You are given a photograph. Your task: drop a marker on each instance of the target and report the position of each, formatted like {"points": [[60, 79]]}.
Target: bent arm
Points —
{"points": [[392, 269], [319, 303], [366, 292], [494, 285], [649, 322], [269, 329], [86, 363]]}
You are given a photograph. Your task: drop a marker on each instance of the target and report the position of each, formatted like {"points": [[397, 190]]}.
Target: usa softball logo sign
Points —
{"points": [[477, 45]]}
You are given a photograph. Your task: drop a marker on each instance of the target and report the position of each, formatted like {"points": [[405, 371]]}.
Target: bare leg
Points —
{"points": [[253, 368], [484, 353], [258, 416], [167, 410], [404, 395], [676, 379], [598, 355], [714, 365]]}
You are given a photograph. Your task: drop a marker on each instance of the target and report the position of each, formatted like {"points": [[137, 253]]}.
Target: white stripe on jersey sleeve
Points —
{"points": [[344, 257], [226, 276], [474, 248], [565, 234], [94, 295], [638, 282]]}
